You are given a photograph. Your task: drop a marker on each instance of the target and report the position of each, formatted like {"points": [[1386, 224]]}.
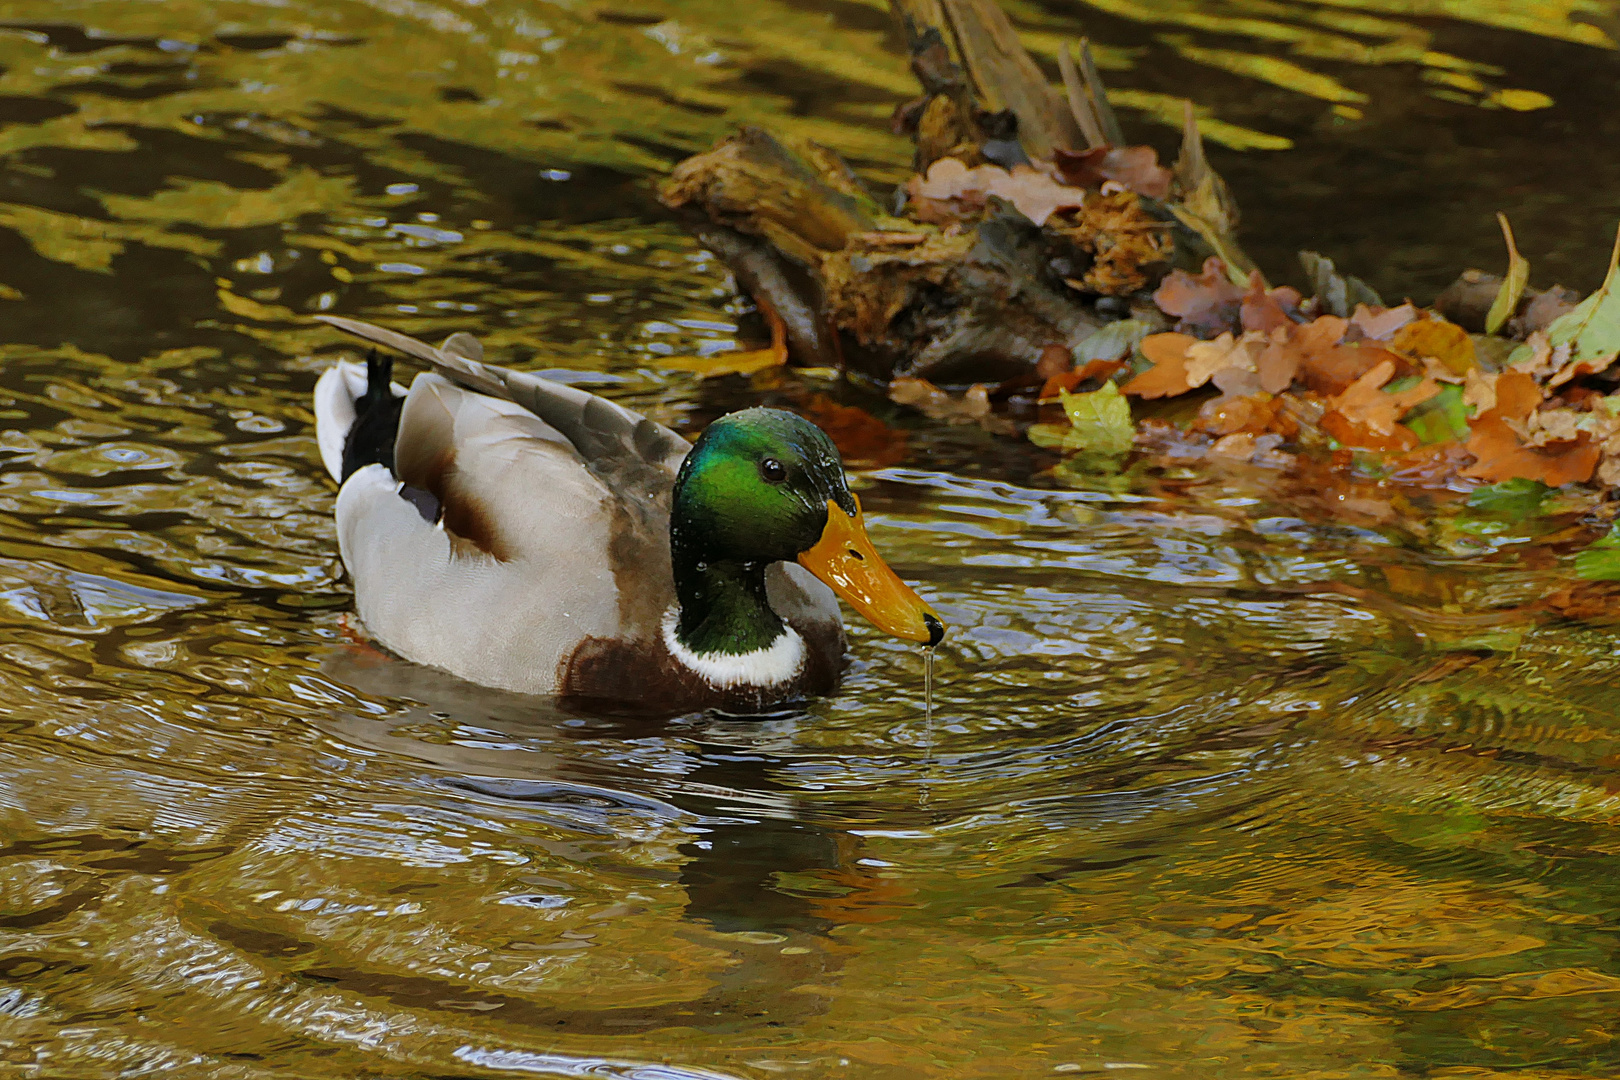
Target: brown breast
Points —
{"points": [[643, 675]]}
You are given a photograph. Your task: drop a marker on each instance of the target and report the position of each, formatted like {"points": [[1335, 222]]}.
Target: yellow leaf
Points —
{"points": [[1518, 276]]}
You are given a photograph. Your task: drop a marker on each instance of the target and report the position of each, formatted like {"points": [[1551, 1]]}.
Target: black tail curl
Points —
{"points": [[376, 420]]}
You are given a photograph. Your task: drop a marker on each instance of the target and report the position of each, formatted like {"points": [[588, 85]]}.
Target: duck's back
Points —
{"points": [[514, 530]]}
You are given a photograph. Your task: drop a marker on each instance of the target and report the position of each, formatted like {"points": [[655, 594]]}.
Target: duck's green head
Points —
{"points": [[763, 486]]}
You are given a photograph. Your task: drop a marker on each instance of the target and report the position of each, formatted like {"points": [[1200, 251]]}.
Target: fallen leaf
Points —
{"points": [[1267, 309], [1207, 303], [1437, 371], [937, 404], [1379, 324], [1517, 396], [1278, 362], [1256, 414], [1100, 420], [1501, 456], [1556, 425], [1443, 341], [1479, 392], [1574, 371], [1168, 375], [1066, 381], [1537, 358], [1035, 195], [1136, 167], [1518, 276], [1592, 330], [1325, 366], [1207, 358], [1443, 418], [1358, 436], [1365, 403], [1113, 342]]}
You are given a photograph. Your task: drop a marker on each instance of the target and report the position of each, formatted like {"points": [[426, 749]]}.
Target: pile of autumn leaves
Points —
{"points": [[1399, 390]]}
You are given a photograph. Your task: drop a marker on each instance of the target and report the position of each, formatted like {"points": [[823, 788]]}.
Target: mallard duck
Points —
{"points": [[525, 534]]}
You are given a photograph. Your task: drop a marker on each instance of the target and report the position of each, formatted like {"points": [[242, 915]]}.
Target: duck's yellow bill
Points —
{"points": [[846, 560]]}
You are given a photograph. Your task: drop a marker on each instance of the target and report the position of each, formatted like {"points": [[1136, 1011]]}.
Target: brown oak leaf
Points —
{"points": [[1380, 324], [1364, 402], [1266, 310], [1205, 304], [1501, 455]]}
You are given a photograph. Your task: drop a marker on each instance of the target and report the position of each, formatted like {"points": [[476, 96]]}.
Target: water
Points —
{"points": [[1224, 773]]}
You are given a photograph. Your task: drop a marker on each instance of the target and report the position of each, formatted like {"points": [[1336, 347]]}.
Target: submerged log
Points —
{"points": [[1027, 226]]}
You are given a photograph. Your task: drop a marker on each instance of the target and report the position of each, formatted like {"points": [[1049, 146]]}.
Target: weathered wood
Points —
{"points": [[1007, 77], [964, 287]]}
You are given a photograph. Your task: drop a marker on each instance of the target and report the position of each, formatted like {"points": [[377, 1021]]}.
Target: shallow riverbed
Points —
{"points": [[1224, 777]]}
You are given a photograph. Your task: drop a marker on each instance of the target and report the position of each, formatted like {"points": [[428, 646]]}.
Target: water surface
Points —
{"points": [[1229, 773]]}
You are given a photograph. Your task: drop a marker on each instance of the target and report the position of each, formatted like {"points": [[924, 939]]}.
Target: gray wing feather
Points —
{"points": [[617, 444]]}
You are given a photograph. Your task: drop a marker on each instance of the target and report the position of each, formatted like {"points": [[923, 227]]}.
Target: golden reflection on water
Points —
{"points": [[1215, 786]]}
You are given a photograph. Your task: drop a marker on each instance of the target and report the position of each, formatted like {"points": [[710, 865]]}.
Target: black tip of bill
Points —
{"points": [[936, 630]]}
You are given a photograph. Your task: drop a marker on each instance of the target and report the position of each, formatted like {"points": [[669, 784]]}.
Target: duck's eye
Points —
{"points": [[773, 471]]}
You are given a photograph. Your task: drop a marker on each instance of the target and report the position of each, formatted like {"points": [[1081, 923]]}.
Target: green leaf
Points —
{"points": [[1049, 436], [1442, 418], [1099, 421], [1592, 329], [1601, 560], [1517, 498], [1116, 340], [1518, 276]]}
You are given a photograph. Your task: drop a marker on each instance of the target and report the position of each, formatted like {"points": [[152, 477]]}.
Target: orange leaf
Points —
{"points": [[1256, 414], [1066, 381], [1363, 403], [1502, 457], [1276, 367], [1331, 371], [1517, 396], [1358, 436], [1499, 453], [1168, 375]]}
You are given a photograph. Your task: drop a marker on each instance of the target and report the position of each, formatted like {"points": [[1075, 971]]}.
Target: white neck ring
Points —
{"points": [[776, 663]]}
